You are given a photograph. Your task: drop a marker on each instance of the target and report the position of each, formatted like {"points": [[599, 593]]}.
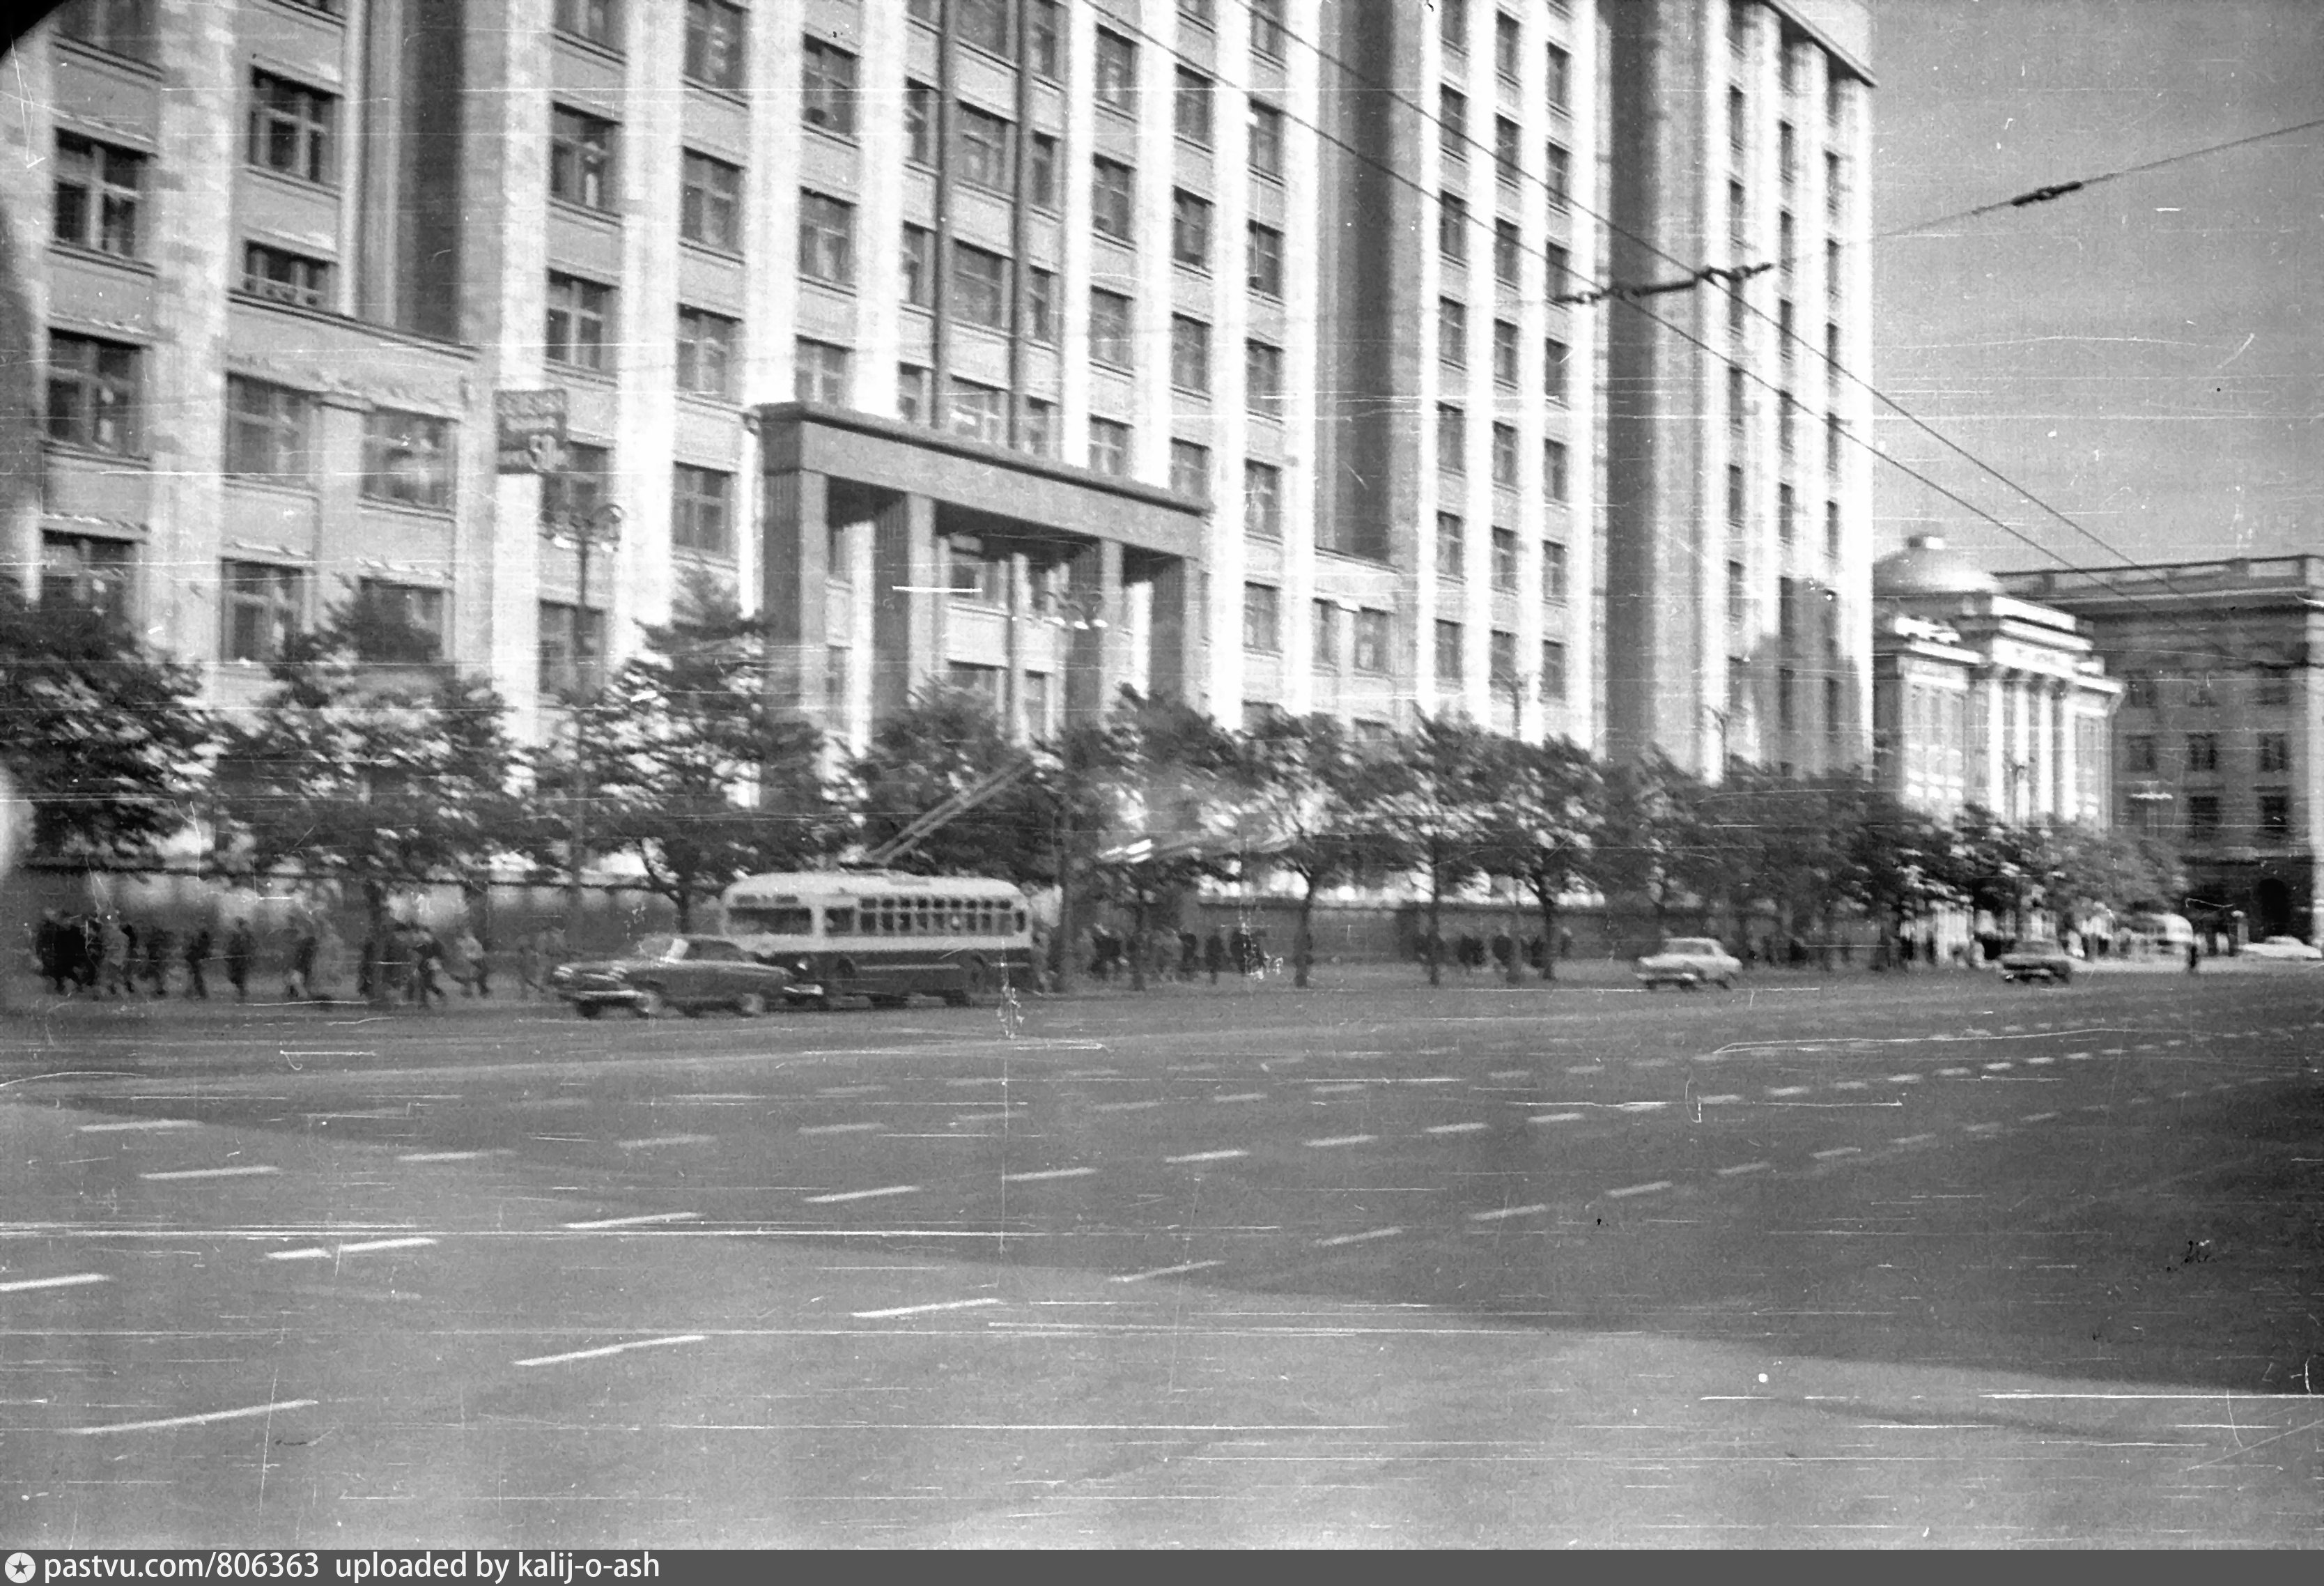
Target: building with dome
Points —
{"points": [[1980, 697]]}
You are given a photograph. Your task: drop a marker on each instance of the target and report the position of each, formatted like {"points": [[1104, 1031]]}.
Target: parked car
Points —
{"points": [[2284, 947], [2045, 961], [1687, 962], [688, 973]]}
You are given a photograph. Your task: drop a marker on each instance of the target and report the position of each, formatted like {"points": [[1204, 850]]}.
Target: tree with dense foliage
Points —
{"points": [[1993, 863], [104, 741], [946, 742], [1645, 850], [2079, 869], [1299, 815], [1167, 774], [1542, 828], [1425, 800], [1897, 863]]}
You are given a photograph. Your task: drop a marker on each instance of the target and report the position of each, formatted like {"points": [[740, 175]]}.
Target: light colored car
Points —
{"points": [[2284, 947], [688, 973], [1689, 962]]}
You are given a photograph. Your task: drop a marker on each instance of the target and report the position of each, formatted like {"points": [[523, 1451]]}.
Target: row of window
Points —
{"points": [[1452, 558], [2142, 691], [1509, 138], [1453, 453], [1452, 350], [1509, 248], [1508, 47], [2205, 820], [2271, 752]]}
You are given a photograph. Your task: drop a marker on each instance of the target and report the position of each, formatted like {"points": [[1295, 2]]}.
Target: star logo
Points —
{"points": [[20, 1568]]}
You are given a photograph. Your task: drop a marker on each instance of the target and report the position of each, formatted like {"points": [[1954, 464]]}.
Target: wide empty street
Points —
{"points": [[1881, 1260]]}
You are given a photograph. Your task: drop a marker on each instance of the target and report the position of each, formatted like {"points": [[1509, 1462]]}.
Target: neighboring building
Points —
{"points": [[1044, 346], [1981, 698], [2215, 745], [1738, 515]]}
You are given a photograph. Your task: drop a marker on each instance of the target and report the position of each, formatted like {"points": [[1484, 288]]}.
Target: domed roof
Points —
{"points": [[1925, 567]]}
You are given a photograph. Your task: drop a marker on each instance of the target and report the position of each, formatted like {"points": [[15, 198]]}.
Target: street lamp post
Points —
{"points": [[586, 532]]}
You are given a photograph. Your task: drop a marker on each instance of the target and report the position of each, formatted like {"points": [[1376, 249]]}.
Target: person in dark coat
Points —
{"points": [[196, 954], [1239, 949], [157, 944], [239, 950], [1215, 954], [1503, 946], [48, 948], [1190, 954]]}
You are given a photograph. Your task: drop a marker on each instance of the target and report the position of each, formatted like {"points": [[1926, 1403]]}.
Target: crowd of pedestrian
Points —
{"points": [[1471, 952], [1181, 955]]}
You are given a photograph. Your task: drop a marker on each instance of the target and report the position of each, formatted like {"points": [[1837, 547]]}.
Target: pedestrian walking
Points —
{"points": [[113, 946], [240, 949], [48, 949], [2194, 957], [457, 957], [1190, 955], [529, 955], [1215, 954], [427, 968], [156, 943], [197, 954], [79, 948], [480, 961]]}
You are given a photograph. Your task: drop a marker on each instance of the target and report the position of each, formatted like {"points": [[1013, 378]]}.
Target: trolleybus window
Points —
{"points": [[839, 921], [770, 919]]}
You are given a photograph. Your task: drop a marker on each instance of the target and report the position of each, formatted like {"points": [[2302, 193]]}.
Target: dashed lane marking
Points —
{"points": [[1904, 1079], [1912, 1139], [1555, 1118], [1227, 1154], [862, 1128], [1628, 1189], [923, 1310], [600, 1353], [1984, 1128], [1852, 1085], [1047, 1174], [139, 1124], [451, 1155], [1641, 1105], [71, 1281], [1370, 1234], [1340, 1089], [210, 1172], [1183, 1267], [1720, 1100], [1744, 1167], [1510, 1074], [361, 1248], [642, 1219], [1469, 1128], [2079, 1056], [248, 1413], [1952, 1073], [836, 1198], [2035, 1062], [1243, 1096], [1125, 1106], [2037, 1118], [1330, 1140], [1837, 1152], [1535, 1209], [1790, 1090], [651, 1141], [1589, 1068], [1996, 1067]]}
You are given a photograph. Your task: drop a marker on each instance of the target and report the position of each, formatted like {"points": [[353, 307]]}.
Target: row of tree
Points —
{"points": [[366, 765]]}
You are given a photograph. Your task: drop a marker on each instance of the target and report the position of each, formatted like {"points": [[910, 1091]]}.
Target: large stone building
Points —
{"points": [[1214, 347], [2216, 746]]}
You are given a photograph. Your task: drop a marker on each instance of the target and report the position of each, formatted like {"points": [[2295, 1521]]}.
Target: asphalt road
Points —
{"points": [[1885, 1261]]}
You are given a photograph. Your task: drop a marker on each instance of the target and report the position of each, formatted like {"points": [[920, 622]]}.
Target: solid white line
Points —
{"points": [[638, 1221], [446, 1156], [1904, 1079], [142, 1123], [1337, 1090], [834, 1200], [1165, 1271], [1054, 1173], [653, 1140], [1837, 1152], [843, 1128], [1637, 1190], [1639, 1106], [304, 1253], [254, 1410], [1535, 1209], [1458, 1129], [1205, 1156], [25, 1284], [1912, 1139], [921, 1310], [366, 1247], [1330, 1140], [1243, 1096], [2037, 1118], [210, 1172], [1378, 1233], [598, 1354], [1791, 1090], [1744, 1167]]}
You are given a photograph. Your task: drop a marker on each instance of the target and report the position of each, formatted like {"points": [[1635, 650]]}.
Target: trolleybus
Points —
{"points": [[884, 935]]}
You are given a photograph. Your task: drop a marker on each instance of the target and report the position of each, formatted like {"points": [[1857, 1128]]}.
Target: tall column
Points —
{"points": [[2070, 751], [1020, 613], [1996, 757], [1173, 660], [906, 603], [794, 559], [2043, 697], [2021, 746], [1093, 659]]}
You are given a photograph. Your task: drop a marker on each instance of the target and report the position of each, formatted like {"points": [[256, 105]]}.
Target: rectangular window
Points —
{"points": [[93, 393], [1190, 469], [571, 648], [1786, 699], [913, 404], [1452, 333], [1505, 353], [404, 622], [699, 512], [1191, 107], [97, 194], [1508, 254], [1502, 658], [1787, 155], [978, 411], [1833, 723], [122, 27], [408, 458], [976, 580], [1553, 669], [714, 43], [580, 159], [1449, 648], [1453, 124], [1505, 456], [1553, 468], [1371, 640], [2272, 685], [1452, 440], [819, 370], [980, 286], [2202, 751], [1261, 618], [292, 128], [1561, 78], [828, 87], [1037, 427], [1201, 13], [263, 604], [95, 575], [1041, 305], [1190, 230], [2138, 691], [1735, 496], [1109, 331], [2275, 815], [917, 259], [1266, 28], [1049, 30], [1553, 573], [266, 429], [1453, 229], [1508, 41], [597, 21], [1554, 356], [577, 312], [1504, 560], [1114, 75], [1262, 501], [1041, 171], [1263, 261], [1560, 179], [920, 124], [1451, 546], [984, 149], [2138, 751], [987, 24], [2203, 816], [286, 277], [579, 488], [1737, 235], [1835, 440], [1559, 271], [1453, 23], [1738, 409], [1786, 512], [1324, 639], [705, 352], [1109, 447], [710, 201], [1265, 129], [827, 239], [1262, 373], [1190, 354], [2274, 751], [1832, 530], [1111, 197], [1509, 160]]}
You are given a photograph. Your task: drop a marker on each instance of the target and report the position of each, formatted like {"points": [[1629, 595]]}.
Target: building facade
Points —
{"points": [[2215, 745], [1981, 698], [1242, 349]]}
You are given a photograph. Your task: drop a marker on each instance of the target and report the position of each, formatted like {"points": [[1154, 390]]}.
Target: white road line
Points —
{"points": [[1124, 1106], [1628, 1189], [1458, 1129], [2037, 1118], [922, 1309], [2113, 1051], [1996, 1067], [2035, 1062], [1182, 1266], [361, 1247], [1555, 1118], [1339, 1090], [1912, 1139], [162, 1425], [2079, 1056], [1331, 1140], [1432, 1080], [1588, 1068], [1510, 1074], [1045, 1174], [1535, 1209], [210, 1172], [651, 1141], [1837, 1152], [1641, 1105], [982, 1117], [1728, 1172], [599, 1354], [834, 1200], [448, 1155], [1378, 1233], [142, 1123], [1790, 1090], [642, 1220], [1224, 1156], [848, 1091], [866, 1128], [1950, 1074], [26, 1284], [1243, 1096], [1720, 1100], [1983, 1129], [1852, 1085]]}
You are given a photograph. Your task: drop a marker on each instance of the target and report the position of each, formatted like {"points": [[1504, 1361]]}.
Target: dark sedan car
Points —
{"points": [[2045, 961], [687, 973]]}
